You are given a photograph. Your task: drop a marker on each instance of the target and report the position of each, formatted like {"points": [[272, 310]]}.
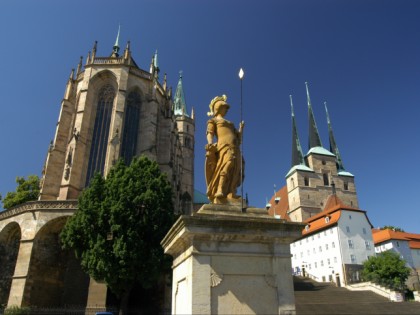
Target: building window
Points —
{"points": [[322, 263], [326, 180], [320, 249], [331, 231], [353, 259], [367, 243], [335, 259], [314, 251], [309, 266], [301, 254], [351, 245], [319, 235], [100, 135], [398, 244], [350, 216], [312, 237], [131, 127], [326, 246], [329, 261], [292, 182], [327, 219], [306, 180], [325, 233], [307, 227], [323, 162], [315, 264], [309, 252], [333, 245], [348, 229], [307, 239], [346, 186], [364, 231]]}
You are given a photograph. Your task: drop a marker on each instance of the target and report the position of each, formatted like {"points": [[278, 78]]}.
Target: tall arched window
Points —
{"points": [[131, 127], [99, 144]]}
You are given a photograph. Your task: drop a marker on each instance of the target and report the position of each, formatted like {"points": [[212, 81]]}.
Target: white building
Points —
{"points": [[334, 244], [407, 245]]}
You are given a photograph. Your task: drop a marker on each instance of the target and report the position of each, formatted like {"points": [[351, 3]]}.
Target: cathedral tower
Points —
{"points": [[186, 130], [113, 109], [313, 178]]}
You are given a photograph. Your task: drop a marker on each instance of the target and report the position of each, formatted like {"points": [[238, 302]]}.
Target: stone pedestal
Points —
{"points": [[227, 261]]}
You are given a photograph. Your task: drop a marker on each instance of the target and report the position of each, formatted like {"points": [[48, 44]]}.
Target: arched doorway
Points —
{"points": [[9, 248], [56, 278]]}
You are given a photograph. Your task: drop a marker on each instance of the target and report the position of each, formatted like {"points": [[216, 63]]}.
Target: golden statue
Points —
{"points": [[224, 163]]}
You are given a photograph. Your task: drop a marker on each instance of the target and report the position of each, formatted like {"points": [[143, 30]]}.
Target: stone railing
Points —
{"points": [[108, 61], [39, 205], [416, 296], [375, 288]]}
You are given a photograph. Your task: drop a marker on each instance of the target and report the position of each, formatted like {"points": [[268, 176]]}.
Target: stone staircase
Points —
{"points": [[322, 298]]}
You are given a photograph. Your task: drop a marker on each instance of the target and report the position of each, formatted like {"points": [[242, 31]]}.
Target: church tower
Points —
{"points": [[113, 109], [186, 130], [314, 177]]}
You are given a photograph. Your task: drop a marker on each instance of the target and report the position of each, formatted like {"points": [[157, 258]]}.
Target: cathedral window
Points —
{"points": [[100, 136], [131, 127], [306, 180], [326, 180], [346, 186]]}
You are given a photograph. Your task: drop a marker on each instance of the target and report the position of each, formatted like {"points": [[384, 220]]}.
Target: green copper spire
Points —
{"points": [[297, 155], [180, 107], [314, 138], [333, 144], [116, 47]]}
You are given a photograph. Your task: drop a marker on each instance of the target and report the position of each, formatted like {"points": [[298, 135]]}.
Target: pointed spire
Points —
{"points": [[180, 107], [127, 51], [69, 85], [192, 113], [164, 82], [333, 144], [314, 138], [88, 58], [94, 50], [155, 61], [79, 66], [116, 47], [297, 154]]}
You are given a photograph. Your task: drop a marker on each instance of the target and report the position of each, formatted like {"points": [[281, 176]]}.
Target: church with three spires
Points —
{"points": [[321, 193]]}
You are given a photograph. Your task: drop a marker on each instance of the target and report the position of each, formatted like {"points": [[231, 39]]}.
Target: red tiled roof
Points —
{"points": [[283, 205], [332, 210], [414, 244], [380, 236]]}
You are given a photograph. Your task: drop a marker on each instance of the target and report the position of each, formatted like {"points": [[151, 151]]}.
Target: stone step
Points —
{"points": [[314, 298]]}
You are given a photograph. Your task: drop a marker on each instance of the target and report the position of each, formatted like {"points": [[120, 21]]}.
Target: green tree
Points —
{"points": [[391, 227], [387, 268], [117, 229], [27, 190]]}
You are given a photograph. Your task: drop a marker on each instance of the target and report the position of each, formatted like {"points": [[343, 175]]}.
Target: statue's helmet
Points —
{"points": [[216, 103]]}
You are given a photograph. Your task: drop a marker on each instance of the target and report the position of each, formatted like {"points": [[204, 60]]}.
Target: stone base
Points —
{"points": [[227, 261]]}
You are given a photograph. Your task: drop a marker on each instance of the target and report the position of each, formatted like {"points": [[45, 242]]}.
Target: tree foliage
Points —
{"points": [[387, 268], [27, 190], [391, 227], [120, 221]]}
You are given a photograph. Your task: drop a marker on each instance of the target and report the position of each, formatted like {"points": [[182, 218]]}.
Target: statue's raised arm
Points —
{"points": [[223, 154]]}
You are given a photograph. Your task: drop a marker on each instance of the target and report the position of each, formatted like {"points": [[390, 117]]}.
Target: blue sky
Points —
{"points": [[362, 57]]}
